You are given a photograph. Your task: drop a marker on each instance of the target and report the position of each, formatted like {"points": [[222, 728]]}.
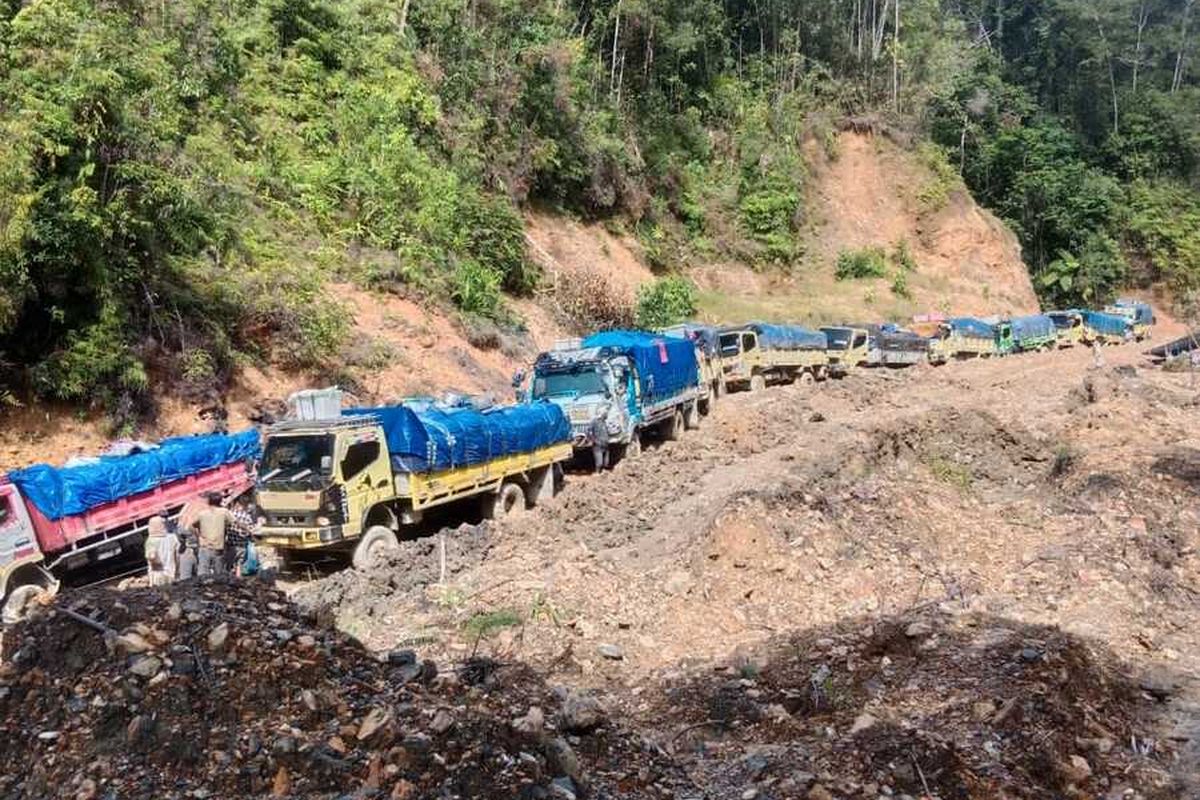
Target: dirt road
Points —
{"points": [[999, 514]]}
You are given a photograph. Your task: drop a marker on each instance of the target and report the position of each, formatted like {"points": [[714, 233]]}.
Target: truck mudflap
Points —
{"points": [[300, 538]]}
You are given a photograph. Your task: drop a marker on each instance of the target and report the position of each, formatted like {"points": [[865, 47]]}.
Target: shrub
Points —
{"points": [[902, 257], [866, 262], [900, 285], [476, 288], [665, 302]]}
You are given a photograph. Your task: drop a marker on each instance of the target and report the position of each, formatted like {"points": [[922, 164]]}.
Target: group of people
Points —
{"points": [[202, 541]]}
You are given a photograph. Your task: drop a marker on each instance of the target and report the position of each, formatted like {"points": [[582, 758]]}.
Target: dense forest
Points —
{"points": [[178, 180]]}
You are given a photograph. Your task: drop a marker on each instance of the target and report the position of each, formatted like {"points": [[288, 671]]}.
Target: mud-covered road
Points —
{"points": [[971, 581]]}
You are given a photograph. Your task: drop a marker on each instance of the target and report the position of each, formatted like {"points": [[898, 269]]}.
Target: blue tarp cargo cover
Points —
{"points": [[426, 437], [1108, 324], [65, 491], [705, 336], [972, 328], [1034, 326], [789, 337], [666, 365]]}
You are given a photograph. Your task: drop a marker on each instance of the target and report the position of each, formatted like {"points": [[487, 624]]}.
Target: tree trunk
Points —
{"points": [[896, 60], [1181, 54], [612, 78], [403, 19], [1112, 76], [999, 23], [1143, 16]]}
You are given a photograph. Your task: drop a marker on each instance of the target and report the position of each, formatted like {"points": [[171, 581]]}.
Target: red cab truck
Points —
{"points": [[82, 524]]}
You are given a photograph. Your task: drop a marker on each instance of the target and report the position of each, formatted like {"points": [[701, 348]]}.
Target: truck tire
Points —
{"points": [[374, 543], [633, 448], [807, 377], [757, 382], [691, 418], [19, 601], [507, 502], [673, 428]]}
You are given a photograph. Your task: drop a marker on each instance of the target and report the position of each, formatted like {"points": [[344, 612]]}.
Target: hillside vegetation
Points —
{"points": [[179, 182]]}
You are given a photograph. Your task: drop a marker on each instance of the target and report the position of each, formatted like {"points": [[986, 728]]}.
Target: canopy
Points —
{"points": [[1033, 326], [1108, 324], [427, 437], [60, 492], [666, 365], [789, 337], [971, 327]]}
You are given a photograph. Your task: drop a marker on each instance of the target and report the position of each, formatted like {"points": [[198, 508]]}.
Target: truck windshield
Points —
{"points": [[730, 344], [295, 460], [581, 382]]}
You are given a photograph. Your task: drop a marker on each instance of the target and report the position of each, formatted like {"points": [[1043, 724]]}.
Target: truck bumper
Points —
{"points": [[300, 538]]}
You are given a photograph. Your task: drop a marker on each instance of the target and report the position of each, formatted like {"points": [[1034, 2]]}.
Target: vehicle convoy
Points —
{"points": [[85, 523], [708, 351], [347, 482], [961, 338], [1029, 333], [634, 382], [847, 348], [1139, 315], [758, 353]]}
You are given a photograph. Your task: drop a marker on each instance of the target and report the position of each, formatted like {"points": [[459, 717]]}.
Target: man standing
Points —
{"points": [[213, 522], [162, 548], [599, 433]]}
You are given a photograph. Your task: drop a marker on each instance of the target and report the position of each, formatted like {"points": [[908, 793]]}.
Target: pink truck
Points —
{"points": [[84, 524]]}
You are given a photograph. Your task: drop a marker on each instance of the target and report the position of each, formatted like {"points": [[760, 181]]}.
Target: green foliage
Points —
{"points": [[934, 193], [900, 285], [902, 256], [485, 624], [476, 288], [667, 301], [865, 262]]}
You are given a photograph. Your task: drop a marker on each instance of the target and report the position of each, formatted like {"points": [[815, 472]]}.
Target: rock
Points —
{"points": [[563, 788], [139, 729], [87, 790], [1101, 744], [819, 792], [48, 736], [750, 794], [983, 710], [375, 719], [861, 723], [146, 666], [816, 416], [442, 722], [678, 583], [282, 785], [610, 651], [175, 612], [309, 699], [561, 759], [400, 658], [1076, 769], [580, 713], [283, 746], [532, 723], [918, 629], [403, 790], [133, 643], [1030, 654], [218, 636]]}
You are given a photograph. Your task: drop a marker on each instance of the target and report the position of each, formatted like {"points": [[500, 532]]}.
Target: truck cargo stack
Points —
{"points": [[86, 522], [1104, 328], [961, 338], [1029, 333], [347, 482], [1139, 315], [1068, 326], [632, 382], [708, 351], [892, 346], [757, 354]]}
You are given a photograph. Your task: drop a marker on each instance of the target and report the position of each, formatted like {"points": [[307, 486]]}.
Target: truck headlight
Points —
{"points": [[323, 522]]}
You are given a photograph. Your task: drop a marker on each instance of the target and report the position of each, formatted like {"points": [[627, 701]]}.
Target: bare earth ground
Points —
{"points": [[971, 581]]}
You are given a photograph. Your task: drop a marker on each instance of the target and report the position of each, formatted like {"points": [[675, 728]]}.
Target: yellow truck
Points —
{"points": [[351, 484], [847, 348], [758, 353]]}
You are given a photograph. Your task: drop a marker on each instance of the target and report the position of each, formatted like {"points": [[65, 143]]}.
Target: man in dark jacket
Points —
{"points": [[599, 433]]}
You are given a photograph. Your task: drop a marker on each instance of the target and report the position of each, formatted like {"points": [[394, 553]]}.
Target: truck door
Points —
{"points": [[364, 474], [17, 541]]}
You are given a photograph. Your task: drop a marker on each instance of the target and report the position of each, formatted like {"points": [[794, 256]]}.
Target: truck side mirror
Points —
{"points": [[326, 463]]}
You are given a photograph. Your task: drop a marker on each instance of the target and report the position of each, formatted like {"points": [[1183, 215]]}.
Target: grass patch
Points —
{"points": [[951, 473]]}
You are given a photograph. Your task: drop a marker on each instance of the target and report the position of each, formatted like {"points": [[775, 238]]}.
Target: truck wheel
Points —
{"points": [[719, 389], [510, 500], [634, 448], [691, 419], [20, 600], [757, 382], [673, 428], [807, 378], [374, 543]]}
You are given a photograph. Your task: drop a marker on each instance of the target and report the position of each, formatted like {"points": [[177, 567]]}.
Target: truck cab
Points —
{"points": [[20, 556], [319, 478], [1139, 315], [741, 358], [1068, 325], [848, 348], [590, 384]]}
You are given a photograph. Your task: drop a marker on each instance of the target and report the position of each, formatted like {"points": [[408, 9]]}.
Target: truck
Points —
{"points": [[86, 523], [759, 353], [346, 482], [1104, 328], [636, 382], [708, 350], [961, 338], [847, 348], [1139, 315], [1068, 326], [1029, 333]]}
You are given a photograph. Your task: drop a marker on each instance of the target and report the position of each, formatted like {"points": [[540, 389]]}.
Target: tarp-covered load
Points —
{"points": [[972, 328], [1033, 326], [1064, 319], [789, 337], [838, 338], [1142, 313], [1107, 324], [427, 437], [900, 341], [66, 491], [666, 365], [705, 336]]}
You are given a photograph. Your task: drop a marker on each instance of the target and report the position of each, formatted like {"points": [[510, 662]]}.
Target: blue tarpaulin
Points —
{"points": [[1143, 314], [789, 337], [972, 328], [666, 365], [65, 491], [1108, 324], [426, 437], [705, 336], [1033, 326]]}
